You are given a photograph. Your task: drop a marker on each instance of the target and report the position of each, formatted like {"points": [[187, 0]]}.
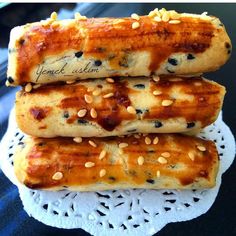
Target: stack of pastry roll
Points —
{"points": [[112, 103]]}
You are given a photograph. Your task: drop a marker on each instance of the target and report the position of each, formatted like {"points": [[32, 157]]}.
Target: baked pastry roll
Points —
{"points": [[164, 42], [163, 161], [96, 108]]}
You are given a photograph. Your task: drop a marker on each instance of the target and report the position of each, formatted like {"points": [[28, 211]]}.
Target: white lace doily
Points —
{"points": [[120, 212]]}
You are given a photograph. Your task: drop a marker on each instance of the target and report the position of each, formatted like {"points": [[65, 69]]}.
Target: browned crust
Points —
{"points": [[103, 38], [51, 102], [40, 159]]}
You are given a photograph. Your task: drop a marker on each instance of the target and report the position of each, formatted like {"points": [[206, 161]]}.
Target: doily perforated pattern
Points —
{"points": [[126, 212]]}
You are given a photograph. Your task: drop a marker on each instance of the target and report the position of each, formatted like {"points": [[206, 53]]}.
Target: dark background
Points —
{"points": [[220, 219]]}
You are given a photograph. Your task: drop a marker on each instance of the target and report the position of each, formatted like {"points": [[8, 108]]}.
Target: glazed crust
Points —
{"points": [[51, 110], [182, 164], [51, 51]]}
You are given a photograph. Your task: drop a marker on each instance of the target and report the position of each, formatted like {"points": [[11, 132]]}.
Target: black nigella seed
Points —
{"points": [[80, 121], [21, 41], [190, 125], [170, 71], [112, 178], [66, 114], [229, 51], [139, 111], [79, 54], [123, 64], [97, 63], [11, 50], [41, 144], [190, 56], [132, 130], [151, 151], [158, 124], [150, 181], [139, 86], [221, 24], [10, 80], [227, 45], [172, 166], [173, 61]]}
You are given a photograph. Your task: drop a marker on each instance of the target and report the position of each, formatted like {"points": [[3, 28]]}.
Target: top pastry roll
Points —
{"points": [[164, 42]]}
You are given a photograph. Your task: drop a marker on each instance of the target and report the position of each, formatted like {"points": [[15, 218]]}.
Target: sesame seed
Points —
{"points": [[131, 110], [88, 98], [201, 148], [36, 86], [174, 15], [102, 154], [157, 92], [156, 78], [135, 16], [148, 140], [201, 99], [144, 135], [89, 164], [191, 156], [140, 160], [102, 173], [135, 25], [83, 18], [28, 87], [53, 16], [82, 113], [162, 11], [108, 95], [165, 154], [157, 19], [57, 176], [7, 83], [162, 160], [120, 151], [77, 14], [158, 174], [123, 145], [70, 81], [79, 17], [166, 103], [110, 80], [156, 10], [77, 139], [137, 136], [165, 16], [174, 22], [97, 92], [92, 143], [155, 140], [151, 14], [93, 113]]}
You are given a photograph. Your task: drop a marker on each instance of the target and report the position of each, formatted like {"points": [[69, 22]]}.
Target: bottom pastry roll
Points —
{"points": [[163, 161]]}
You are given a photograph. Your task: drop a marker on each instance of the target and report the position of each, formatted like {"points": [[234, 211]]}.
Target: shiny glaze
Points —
{"points": [[47, 156], [104, 38], [205, 102], [207, 99]]}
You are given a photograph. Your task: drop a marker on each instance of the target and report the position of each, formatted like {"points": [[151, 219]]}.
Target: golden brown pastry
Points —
{"points": [[96, 108], [171, 161], [164, 42]]}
